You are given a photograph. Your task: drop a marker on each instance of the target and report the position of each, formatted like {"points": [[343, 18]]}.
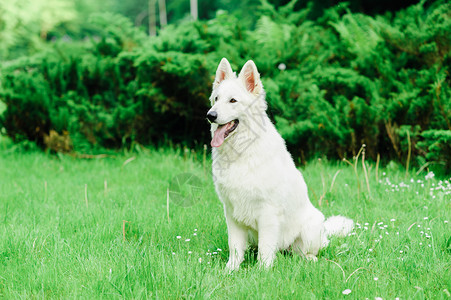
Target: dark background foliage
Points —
{"points": [[336, 78]]}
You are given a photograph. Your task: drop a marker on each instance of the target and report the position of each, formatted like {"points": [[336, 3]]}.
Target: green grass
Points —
{"points": [[57, 243]]}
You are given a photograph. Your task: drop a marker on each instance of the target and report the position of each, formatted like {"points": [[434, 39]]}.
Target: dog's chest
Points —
{"points": [[242, 192]]}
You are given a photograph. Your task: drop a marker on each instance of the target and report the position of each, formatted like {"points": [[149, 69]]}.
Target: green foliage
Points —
{"points": [[27, 99], [333, 84], [437, 146], [113, 93], [25, 24], [117, 34], [358, 79]]}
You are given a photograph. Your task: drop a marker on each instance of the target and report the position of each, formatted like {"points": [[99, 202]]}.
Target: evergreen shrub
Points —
{"points": [[108, 95], [333, 83]]}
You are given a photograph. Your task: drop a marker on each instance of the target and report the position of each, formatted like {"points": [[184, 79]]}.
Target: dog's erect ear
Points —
{"points": [[224, 71], [251, 78]]}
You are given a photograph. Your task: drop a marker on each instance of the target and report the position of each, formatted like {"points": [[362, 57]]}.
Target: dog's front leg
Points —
{"points": [[268, 239], [237, 243]]}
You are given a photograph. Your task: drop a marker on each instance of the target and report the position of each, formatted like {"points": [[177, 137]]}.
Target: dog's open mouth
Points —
{"points": [[222, 132]]}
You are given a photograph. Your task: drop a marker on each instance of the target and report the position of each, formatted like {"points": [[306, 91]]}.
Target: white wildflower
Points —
{"points": [[429, 175], [346, 292]]}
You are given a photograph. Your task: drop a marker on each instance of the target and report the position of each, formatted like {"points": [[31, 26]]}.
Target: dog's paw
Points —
{"points": [[232, 266], [266, 262], [311, 257], [265, 265]]}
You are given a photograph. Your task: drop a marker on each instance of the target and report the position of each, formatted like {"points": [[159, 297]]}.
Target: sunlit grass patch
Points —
{"points": [[105, 228]]}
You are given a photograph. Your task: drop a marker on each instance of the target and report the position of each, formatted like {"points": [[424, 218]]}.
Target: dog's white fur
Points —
{"points": [[263, 193]]}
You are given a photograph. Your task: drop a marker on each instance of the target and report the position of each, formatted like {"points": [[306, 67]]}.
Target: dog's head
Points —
{"points": [[234, 99]]}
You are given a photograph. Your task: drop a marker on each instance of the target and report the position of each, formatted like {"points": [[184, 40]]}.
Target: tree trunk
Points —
{"points": [[163, 17], [152, 18], [193, 4]]}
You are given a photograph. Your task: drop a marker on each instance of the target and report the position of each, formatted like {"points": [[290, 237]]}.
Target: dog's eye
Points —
{"points": [[216, 98], [233, 100]]}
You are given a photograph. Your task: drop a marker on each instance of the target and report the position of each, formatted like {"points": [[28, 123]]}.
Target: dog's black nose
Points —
{"points": [[212, 115]]}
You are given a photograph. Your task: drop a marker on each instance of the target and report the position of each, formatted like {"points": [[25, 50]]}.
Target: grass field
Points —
{"points": [[99, 228]]}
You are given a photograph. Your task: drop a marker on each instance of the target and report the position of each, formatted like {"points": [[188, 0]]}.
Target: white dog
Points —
{"points": [[264, 195]]}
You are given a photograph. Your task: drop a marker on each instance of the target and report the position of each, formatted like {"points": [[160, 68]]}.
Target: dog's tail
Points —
{"points": [[338, 226]]}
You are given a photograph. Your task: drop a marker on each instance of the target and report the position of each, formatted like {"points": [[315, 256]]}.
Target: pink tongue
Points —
{"points": [[219, 135]]}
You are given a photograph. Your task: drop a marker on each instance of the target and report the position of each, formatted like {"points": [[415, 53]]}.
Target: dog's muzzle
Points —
{"points": [[212, 116]]}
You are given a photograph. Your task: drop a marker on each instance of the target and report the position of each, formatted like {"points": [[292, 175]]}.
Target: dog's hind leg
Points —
{"points": [[309, 242], [311, 234], [308, 246]]}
